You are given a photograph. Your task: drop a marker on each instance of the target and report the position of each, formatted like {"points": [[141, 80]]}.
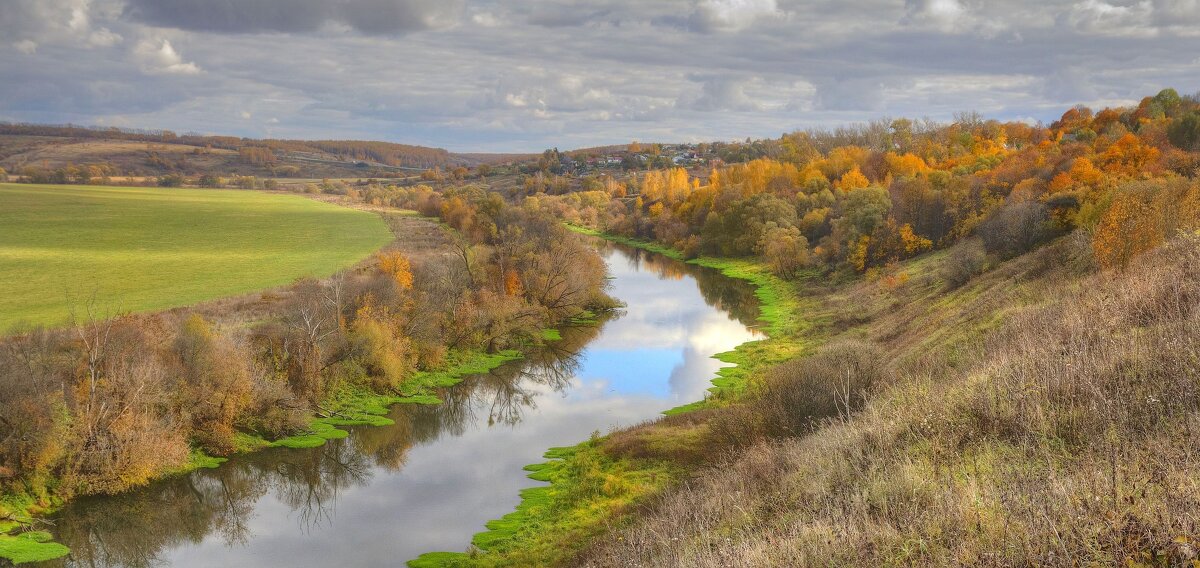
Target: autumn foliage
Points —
{"points": [[866, 196]]}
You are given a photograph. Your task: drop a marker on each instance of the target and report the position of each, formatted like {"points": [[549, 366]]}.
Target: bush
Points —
{"points": [[209, 180], [963, 263], [170, 180], [1015, 229], [796, 396]]}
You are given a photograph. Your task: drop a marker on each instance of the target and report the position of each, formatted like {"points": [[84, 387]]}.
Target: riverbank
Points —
{"points": [[349, 407], [588, 489]]}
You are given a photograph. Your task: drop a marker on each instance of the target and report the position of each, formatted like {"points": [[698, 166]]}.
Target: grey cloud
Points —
{"points": [[722, 94], [851, 94], [249, 16], [554, 16]]}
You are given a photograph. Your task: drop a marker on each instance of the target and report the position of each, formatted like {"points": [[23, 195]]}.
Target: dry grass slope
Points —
{"points": [[1064, 432]]}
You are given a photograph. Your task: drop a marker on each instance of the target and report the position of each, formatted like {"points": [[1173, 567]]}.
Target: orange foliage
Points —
{"points": [[906, 165], [1128, 156], [512, 283], [396, 265]]}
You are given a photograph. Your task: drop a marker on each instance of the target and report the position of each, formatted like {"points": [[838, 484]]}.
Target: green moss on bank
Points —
{"points": [[34, 546], [362, 407], [586, 487], [637, 243]]}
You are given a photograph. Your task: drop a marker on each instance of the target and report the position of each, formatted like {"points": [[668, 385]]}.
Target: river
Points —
{"points": [[387, 494]]}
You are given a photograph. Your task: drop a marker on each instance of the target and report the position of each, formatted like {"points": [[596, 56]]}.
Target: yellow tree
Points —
{"points": [[396, 265], [853, 179], [1128, 228]]}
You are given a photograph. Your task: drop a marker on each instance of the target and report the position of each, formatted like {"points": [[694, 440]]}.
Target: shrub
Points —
{"points": [[1015, 229], [170, 180], [797, 395], [962, 264]]}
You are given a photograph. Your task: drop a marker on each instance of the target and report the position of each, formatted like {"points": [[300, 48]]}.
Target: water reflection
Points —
{"points": [[429, 482]]}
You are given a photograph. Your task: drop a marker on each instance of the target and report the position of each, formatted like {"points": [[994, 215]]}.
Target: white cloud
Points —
{"points": [[951, 17], [1099, 16], [159, 56], [722, 94], [732, 15], [103, 37], [486, 19], [26, 46]]}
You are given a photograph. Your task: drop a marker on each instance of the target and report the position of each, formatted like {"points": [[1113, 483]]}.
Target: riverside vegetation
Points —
{"points": [[108, 403]]}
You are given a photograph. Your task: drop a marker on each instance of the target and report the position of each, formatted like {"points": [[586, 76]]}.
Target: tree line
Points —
{"points": [[858, 199]]}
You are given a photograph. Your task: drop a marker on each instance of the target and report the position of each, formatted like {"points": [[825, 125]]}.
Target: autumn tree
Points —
{"points": [[784, 249], [397, 266], [1128, 156]]}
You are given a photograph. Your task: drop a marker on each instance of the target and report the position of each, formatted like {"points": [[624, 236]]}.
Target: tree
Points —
{"points": [[1185, 132], [784, 249], [913, 243], [209, 180], [1126, 229], [853, 179], [1128, 156], [214, 383], [396, 265]]}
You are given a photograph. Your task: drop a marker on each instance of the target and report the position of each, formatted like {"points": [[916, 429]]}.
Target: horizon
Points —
{"points": [[492, 78]]}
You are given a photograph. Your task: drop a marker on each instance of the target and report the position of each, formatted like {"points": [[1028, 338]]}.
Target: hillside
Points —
{"points": [[1007, 422], [28, 148]]}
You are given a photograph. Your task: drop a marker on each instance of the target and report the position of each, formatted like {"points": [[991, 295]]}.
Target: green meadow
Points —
{"points": [[141, 249]]}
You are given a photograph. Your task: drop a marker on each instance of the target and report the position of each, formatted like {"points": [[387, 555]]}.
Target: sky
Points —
{"points": [[483, 75]]}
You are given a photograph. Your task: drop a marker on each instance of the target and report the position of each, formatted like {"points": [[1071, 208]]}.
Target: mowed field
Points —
{"points": [[141, 249]]}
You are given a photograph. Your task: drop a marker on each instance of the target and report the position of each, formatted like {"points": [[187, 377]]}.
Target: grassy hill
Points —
{"points": [[138, 249]]}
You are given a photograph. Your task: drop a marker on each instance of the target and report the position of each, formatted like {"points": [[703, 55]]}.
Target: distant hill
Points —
{"points": [[156, 152]]}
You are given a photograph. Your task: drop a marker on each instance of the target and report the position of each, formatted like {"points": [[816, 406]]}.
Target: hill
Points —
{"points": [[121, 152]]}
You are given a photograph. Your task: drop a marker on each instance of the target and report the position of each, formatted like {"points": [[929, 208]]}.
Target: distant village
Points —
{"points": [[631, 157]]}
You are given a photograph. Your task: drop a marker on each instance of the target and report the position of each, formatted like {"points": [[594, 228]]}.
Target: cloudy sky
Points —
{"points": [[519, 76]]}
